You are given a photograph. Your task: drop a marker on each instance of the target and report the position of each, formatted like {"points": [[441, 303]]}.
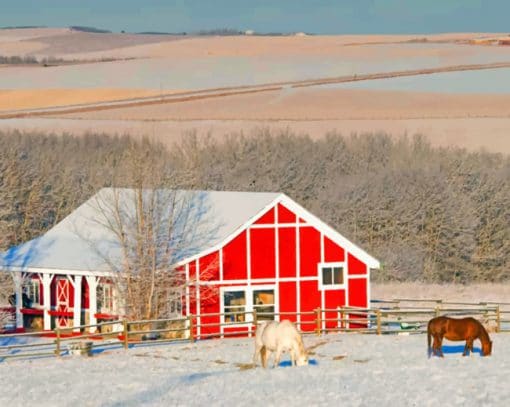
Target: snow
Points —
{"points": [[351, 369]]}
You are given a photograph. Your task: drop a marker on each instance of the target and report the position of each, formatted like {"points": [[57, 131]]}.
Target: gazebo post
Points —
{"points": [[46, 282], [19, 299], [92, 282], [77, 304]]}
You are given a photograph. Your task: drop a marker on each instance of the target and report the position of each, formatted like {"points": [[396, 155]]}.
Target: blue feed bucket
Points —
{"points": [[288, 363]]}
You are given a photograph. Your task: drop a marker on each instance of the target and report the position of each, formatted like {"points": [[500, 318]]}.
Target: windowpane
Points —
{"points": [[263, 303], [326, 276], [234, 305], [31, 293], [338, 275], [104, 297]]}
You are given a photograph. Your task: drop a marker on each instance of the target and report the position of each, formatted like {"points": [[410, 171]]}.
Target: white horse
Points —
{"points": [[273, 336]]}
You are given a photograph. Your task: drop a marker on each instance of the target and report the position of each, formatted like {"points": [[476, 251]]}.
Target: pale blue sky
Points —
{"points": [[316, 16]]}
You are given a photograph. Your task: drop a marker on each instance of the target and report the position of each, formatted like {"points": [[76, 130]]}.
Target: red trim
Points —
{"points": [[32, 311], [52, 334], [61, 313], [106, 316], [13, 331]]}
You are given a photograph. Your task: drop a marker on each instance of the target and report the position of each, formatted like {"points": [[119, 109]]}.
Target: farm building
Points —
{"points": [[249, 252]]}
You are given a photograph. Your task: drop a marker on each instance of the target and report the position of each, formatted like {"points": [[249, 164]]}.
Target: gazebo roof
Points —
{"points": [[86, 241]]}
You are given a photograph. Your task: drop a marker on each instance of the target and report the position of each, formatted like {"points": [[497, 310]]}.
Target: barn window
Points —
{"points": [[105, 297], [170, 301], [331, 275], [239, 303], [32, 289], [263, 303], [234, 303]]}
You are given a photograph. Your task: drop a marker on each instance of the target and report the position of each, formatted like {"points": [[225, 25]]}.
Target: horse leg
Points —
{"points": [[438, 345], [435, 351], [256, 354], [466, 348], [293, 356], [264, 355], [277, 356]]}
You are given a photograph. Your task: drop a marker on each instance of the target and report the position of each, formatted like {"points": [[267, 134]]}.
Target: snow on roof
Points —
{"points": [[84, 240]]}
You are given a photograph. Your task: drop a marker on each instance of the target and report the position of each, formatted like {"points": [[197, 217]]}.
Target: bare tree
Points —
{"points": [[153, 224]]}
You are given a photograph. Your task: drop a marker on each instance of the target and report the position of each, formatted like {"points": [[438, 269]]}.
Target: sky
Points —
{"points": [[312, 16]]}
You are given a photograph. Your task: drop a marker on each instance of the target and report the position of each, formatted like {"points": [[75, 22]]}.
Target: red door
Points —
{"points": [[62, 301]]}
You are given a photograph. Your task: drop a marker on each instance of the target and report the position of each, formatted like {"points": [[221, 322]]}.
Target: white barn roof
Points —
{"points": [[81, 243]]}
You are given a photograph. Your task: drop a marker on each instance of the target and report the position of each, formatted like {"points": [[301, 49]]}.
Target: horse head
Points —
{"points": [[302, 359], [486, 348]]}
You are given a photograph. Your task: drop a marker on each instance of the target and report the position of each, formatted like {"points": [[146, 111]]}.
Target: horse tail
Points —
{"points": [[429, 349]]}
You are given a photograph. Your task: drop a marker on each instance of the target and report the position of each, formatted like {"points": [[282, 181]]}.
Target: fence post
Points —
{"points": [[436, 310], [378, 320], [57, 343], [498, 319], [125, 325], [191, 334], [318, 322]]}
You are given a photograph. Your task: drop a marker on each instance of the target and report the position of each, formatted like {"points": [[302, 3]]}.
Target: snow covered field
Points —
{"points": [[346, 369]]}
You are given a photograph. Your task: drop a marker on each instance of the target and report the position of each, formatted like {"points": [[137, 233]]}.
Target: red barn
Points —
{"points": [[281, 259], [267, 254]]}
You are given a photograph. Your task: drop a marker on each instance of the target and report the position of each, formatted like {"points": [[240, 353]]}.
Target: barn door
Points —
{"points": [[62, 301]]}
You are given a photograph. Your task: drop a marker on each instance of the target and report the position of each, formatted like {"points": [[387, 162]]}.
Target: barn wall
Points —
{"points": [[287, 300], [268, 250], [234, 259], [287, 252], [209, 306], [358, 292], [356, 266], [310, 300], [333, 299], [209, 267], [332, 251], [262, 253], [267, 218], [309, 251], [285, 215]]}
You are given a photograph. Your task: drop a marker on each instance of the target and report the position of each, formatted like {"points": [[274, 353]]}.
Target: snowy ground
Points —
{"points": [[351, 369]]}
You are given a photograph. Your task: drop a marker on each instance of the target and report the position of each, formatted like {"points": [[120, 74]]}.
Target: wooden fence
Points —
{"points": [[396, 316]]}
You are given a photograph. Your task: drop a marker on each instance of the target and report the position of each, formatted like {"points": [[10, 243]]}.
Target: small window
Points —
{"points": [[234, 306], [104, 297], [331, 275], [174, 303], [263, 303], [32, 289]]}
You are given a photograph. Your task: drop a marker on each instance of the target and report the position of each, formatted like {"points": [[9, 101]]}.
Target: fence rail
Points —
{"points": [[385, 317]]}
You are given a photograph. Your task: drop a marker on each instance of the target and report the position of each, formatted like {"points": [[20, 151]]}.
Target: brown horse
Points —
{"points": [[453, 329]]}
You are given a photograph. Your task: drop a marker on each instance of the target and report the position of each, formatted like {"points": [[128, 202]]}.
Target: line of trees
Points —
{"points": [[429, 214]]}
